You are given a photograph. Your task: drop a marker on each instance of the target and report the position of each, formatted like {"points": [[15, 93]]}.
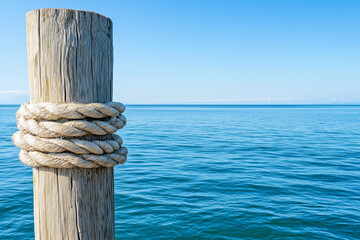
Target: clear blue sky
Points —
{"points": [[203, 51]]}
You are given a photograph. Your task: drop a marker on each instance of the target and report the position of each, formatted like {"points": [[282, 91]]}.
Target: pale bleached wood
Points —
{"points": [[70, 59]]}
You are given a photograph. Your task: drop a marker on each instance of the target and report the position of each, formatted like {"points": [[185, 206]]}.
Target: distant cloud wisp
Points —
{"points": [[5, 92], [14, 96]]}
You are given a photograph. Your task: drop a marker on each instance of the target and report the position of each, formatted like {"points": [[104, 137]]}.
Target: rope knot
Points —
{"points": [[56, 135]]}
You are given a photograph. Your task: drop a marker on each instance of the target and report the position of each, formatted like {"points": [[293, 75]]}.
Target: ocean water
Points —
{"points": [[218, 172]]}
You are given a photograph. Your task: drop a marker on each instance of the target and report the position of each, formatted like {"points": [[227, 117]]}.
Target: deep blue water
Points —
{"points": [[228, 172]]}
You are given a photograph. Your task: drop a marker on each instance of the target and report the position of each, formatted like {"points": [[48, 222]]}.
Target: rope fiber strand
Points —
{"points": [[49, 135]]}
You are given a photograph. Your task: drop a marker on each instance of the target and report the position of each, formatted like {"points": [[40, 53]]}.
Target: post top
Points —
{"points": [[44, 10], [70, 56]]}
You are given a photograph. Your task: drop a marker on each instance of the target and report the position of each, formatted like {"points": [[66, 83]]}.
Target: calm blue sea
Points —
{"points": [[218, 172]]}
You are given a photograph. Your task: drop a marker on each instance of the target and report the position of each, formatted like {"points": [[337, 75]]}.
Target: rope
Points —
{"points": [[70, 160], [53, 111], [73, 128], [49, 134], [29, 142]]}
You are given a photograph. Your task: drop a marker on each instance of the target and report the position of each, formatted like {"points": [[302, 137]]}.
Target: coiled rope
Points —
{"points": [[49, 135]]}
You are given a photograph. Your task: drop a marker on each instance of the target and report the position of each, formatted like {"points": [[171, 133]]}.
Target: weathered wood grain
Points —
{"points": [[70, 59]]}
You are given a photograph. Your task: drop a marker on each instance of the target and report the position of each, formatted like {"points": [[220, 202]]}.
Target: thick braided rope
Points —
{"points": [[48, 134], [72, 128], [52, 111], [29, 142], [71, 160]]}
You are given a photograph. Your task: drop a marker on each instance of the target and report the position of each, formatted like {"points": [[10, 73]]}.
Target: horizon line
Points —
{"points": [[224, 104]]}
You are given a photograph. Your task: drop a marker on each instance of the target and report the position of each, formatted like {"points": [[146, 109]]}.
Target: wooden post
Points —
{"points": [[70, 59]]}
